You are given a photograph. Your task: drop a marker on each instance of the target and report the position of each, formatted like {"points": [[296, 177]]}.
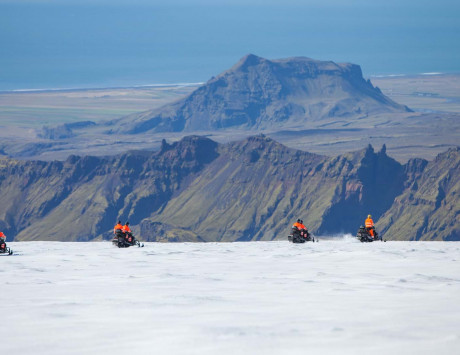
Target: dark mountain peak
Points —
{"points": [[451, 154], [72, 159], [293, 66], [190, 148], [358, 155], [192, 141], [248, 60], [263, 148], [258, 142], [369, 157]]}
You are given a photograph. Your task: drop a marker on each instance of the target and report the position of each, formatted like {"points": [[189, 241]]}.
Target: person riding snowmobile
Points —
{"points": [[3, 247], [369, 224], [300, 233], [126, 228], [127, 231], [118, 227], [123, 237], [119, 235], [296, 228], [299, 229]]}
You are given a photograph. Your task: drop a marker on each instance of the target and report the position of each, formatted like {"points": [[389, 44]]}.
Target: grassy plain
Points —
{"points": [[423, 93], [33, 109], [433, 127]]}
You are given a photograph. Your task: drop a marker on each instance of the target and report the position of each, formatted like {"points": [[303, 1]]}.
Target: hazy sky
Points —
{"points": [[128, 42]]}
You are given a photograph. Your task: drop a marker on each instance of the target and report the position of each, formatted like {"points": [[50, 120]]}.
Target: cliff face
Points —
{"points": [[429, 208], [257, 187], [81, 198], [258, 93], [373, 181], [197, 190]]}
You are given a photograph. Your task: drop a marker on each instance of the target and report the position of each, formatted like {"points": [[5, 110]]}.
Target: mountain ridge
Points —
{"points": [[198, 190]]}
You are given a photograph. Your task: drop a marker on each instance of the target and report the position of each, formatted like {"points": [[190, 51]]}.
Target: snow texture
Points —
{"points": [[332, 297]]}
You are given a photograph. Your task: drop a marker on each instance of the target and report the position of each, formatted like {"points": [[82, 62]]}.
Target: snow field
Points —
{"points": [[333, 297]]}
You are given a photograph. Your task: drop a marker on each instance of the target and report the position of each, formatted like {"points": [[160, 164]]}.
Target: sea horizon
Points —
{"points": [[121, 43]]}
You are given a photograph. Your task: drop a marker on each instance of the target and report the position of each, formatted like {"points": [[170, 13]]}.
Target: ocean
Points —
{"points": [[79, 44]]}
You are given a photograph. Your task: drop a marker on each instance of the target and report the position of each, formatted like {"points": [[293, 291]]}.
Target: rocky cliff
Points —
{"points": [[198, 190], [429, 207]]}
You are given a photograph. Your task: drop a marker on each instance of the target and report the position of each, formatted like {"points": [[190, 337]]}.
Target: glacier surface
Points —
{"points": [[337, 296]]}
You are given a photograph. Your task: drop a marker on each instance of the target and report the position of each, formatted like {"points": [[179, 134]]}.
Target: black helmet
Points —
{"points": [[119, 222], [127, 223], [299, 221]]}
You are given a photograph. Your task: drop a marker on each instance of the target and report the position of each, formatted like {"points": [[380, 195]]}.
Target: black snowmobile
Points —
{"points": [[125, 240], [4, 250], [300, 236], [364, 236]]}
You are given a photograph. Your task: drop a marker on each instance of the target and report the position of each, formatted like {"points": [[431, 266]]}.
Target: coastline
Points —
{"points": [[99, 88], [179, 85]]}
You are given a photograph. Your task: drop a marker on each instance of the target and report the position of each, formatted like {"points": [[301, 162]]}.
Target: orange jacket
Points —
{"points": [[369, 223], [126, 229], [118, 226], [2, 236], [298, 225], [302, 227]]}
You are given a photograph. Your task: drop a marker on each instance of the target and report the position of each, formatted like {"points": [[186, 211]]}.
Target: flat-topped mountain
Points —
{"points": [[253, 189], [258, 93]]}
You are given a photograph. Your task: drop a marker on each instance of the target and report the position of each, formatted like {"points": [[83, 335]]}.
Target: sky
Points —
{"points": [[109, 43]]}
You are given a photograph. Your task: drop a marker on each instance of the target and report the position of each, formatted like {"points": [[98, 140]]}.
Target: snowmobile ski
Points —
{"points": [[7, 252]]}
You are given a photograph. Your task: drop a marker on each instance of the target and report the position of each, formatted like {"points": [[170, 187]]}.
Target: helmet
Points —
{"points": [[119, 222], [298, 221], [369, 216], [301, 221], [127, 223]]}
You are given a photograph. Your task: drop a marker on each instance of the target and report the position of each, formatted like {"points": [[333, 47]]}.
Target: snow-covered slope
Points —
{"points": [[331, 297]]}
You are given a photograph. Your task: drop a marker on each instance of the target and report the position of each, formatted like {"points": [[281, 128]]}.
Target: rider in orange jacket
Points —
{"points": [[369, 224], [118, 226], [127, 232], [297, 225], [298, 228], [126, 228]]}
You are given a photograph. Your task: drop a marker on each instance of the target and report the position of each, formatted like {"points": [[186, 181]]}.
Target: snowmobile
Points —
{"points": [[125, 240], [300, 236], [364, 236], [4, 250]]}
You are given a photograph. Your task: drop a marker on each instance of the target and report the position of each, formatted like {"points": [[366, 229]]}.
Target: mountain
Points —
{"points": [[429, 208], [258, 93], [198, 190], [80, 198]]}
